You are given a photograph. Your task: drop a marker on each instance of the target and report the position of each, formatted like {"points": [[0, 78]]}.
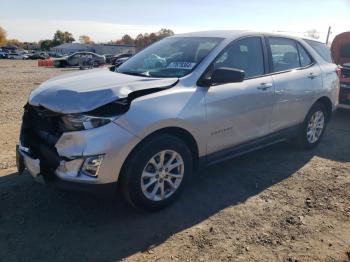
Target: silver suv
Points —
{"points": [[182, 103]]}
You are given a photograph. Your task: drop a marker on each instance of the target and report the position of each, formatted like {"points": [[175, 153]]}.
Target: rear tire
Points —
{"points": [[313, 127], [156, 172]]}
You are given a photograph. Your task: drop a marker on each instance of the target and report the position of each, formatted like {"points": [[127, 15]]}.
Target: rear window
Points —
{"points": [[321, 49], [345, 51]]}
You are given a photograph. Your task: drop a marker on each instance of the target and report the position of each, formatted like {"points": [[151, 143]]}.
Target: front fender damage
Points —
{"points": [[44, 134], [122, 105], [70, 145], [83, 92]]}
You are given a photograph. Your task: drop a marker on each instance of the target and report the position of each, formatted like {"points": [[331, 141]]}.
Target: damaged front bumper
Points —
{"points": [[78, 158], [32, 165]]}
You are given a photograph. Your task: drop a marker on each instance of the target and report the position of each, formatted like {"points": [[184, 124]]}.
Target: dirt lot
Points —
{"points": [[277, 204]]}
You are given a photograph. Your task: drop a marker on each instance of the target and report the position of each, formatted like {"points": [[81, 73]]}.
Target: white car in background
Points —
{"points": [[18, 56]]}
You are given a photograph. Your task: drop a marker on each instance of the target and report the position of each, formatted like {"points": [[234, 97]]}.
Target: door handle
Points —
{"points": [[264, 86], [312, 76]]}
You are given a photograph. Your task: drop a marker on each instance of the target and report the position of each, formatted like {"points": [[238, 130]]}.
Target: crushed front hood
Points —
{"points": [[88, 90]]}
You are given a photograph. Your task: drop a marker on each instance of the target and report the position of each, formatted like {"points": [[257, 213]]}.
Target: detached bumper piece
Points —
{"points": [[33, 167], [27, 161], [19, 161], [39, 134], [37, 153]]}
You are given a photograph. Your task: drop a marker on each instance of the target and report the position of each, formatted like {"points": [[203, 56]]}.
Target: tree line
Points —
{"points": [[61, 37], [143, 40]]}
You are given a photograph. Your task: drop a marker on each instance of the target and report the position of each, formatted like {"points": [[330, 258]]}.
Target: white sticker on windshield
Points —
{"points": [[181, 65]]}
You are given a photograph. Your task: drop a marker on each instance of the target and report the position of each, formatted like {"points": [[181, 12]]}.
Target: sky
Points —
{"points": [[105, 20]]}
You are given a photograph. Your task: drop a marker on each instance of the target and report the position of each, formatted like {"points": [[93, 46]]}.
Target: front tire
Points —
{"points": [[313, 127], [156, 172]]}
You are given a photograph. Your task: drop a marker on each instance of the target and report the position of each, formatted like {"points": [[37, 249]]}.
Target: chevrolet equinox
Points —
{"points": [[186, 101]]}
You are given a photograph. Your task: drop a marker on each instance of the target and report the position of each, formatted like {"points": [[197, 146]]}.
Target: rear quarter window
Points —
{"points": [[321, 49]]}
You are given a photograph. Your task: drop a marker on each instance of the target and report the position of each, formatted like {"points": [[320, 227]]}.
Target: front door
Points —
{"points": [[239, 112]]}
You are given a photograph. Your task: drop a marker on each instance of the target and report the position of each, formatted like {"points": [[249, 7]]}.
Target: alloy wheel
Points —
{"points": [[315, 127], [162, 175]]}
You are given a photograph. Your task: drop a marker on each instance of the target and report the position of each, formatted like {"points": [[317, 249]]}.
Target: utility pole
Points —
{"points": [[328, 34]]}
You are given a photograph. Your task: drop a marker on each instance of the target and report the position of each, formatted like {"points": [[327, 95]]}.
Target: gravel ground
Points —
{"points": [[276, 204]]}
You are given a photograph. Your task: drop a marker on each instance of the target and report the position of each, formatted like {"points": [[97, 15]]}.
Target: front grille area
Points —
{"points": [[40, 133], [344, 96]]}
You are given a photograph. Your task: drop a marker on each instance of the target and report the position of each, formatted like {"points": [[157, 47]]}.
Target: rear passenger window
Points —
{"points": [[284, 54], [245, 54], [305, 58]]}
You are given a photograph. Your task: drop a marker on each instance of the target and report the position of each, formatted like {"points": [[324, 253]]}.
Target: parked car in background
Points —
{"points": [[17, 56], [182, 103], [108, 58], [87, 61], [74, 59], [120, 61], [118, 56], [55, 55], [341, 55], [39, 55], [3, 54]]}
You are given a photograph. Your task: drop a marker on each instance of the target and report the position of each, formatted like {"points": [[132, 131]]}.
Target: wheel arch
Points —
{"points": [[185, 136], [178, 132], [327, 103]]}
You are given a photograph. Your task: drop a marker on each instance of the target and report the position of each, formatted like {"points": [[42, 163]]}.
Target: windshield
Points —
{"points": [[170, 57]]}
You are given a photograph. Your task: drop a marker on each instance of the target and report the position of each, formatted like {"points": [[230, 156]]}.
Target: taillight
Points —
{"points": [[338, 70]]}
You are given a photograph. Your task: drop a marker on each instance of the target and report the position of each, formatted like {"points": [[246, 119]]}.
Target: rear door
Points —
{"points": [[296, 77], [239, 112]]}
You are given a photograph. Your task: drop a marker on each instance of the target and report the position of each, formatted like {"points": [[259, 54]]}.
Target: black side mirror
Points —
{"points": [[225, 75]]}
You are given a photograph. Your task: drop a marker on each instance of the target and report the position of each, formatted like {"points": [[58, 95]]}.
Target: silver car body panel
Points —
{"points": [[186, 112], [83, 92], [234, 117], [217, 117], [111, 140], [294, 93]]}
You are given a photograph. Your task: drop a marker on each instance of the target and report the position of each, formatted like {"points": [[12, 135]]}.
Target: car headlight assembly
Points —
{"points": [[76, 122]]}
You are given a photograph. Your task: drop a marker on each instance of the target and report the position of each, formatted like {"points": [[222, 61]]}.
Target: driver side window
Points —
{"points": [[245, 54]]}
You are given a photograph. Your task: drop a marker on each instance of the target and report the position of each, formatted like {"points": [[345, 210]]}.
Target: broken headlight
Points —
{"points": [[77, 122]]}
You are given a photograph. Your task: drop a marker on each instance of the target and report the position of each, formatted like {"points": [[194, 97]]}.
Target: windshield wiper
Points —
{"points": [[133, 73]]}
